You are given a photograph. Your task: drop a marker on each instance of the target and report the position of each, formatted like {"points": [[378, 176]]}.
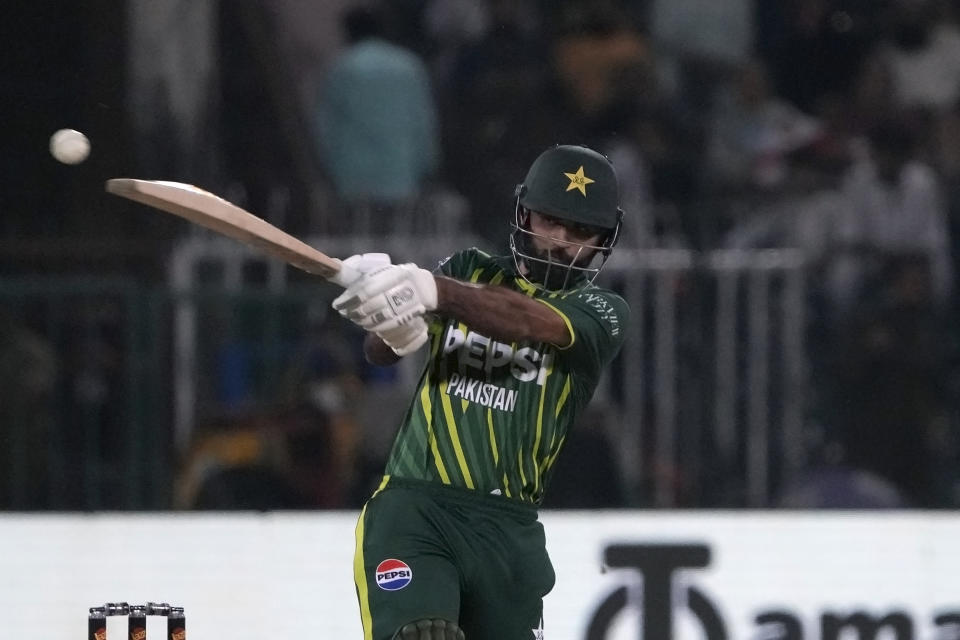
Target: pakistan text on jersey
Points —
{"points": [[484, 393]]}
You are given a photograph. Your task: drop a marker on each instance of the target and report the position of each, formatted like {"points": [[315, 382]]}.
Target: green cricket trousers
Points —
{"points": [[427, 550]]}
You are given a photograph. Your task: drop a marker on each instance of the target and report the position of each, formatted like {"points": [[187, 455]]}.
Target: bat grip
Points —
{"points": [[345, 276]]}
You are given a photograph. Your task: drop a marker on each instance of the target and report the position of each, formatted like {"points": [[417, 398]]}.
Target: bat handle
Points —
{"points": [[346, 276]]}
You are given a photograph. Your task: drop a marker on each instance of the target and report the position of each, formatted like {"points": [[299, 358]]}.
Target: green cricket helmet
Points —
{"points": [[575, 184]]}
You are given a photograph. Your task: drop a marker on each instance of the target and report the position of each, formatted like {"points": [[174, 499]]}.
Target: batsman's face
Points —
{"points": [[564, 237]]}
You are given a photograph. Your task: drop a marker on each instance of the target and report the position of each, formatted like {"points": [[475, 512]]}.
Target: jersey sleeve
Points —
{"points": [[597, 319], [459, 264]]}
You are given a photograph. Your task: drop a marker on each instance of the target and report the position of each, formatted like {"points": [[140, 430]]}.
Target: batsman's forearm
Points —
{"points": [[377, 352], [499, 313]]}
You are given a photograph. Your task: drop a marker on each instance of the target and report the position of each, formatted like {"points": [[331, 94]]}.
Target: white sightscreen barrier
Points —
{"points": [[844, 576]]}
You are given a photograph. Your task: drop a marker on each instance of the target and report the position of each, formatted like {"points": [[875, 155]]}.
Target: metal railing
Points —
{"points": [[105, 381], [705, 403], [713, 375]]}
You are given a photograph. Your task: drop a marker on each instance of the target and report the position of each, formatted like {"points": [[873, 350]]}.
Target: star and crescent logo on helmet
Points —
{"points": [[578, 181]]}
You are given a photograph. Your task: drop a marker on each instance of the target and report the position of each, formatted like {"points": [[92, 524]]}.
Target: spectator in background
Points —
{"points": [[752, 135], [451, 26], [499, 112], [923, 56], [841, 487], [816, 49], [892, 206], [606, 72], [921, 63], [698, 41], [303, 454], [238, 464], [377, 126], [889, 281], [594, 46], [302, 449], [887, 383]]}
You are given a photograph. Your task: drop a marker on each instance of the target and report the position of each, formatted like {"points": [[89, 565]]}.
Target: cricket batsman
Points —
{"points": [[450, 546]]}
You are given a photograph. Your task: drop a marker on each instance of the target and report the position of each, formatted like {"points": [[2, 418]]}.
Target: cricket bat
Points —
{"points": [[213, 212]]}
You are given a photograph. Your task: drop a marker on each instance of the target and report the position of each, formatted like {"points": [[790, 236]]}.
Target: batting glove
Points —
{"points": [[388, 297], [361, 264], [406, 338]]}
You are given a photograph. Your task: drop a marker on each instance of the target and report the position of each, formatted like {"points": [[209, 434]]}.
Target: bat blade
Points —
{"points": [[213, 212]]}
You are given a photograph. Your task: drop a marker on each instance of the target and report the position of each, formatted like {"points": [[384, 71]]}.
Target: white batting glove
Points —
{"points": [[360, 264], [406, 338], [388, 297]]}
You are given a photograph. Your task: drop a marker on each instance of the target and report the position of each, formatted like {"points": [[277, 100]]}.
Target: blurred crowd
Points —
{"points": [[828, 126]]}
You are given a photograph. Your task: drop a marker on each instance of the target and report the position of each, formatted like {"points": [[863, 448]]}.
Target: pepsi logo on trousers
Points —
{"points": [[393, 574]]}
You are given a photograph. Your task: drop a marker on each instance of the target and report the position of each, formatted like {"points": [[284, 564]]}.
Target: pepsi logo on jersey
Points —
{"points": [[393, 574]]}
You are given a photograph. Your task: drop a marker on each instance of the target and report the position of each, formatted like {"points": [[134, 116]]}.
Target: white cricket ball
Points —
{"points": [[69, 146]]}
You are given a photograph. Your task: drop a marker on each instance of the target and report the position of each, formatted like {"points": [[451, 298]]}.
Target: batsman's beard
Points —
{"points": [[552, 269]]}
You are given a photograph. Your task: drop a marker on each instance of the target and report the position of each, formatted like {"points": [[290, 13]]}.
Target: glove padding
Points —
{"points": [[406, 338], [388, 297], [365, 263]]}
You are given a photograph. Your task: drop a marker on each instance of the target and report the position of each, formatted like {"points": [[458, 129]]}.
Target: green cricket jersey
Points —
{"points": [[492, 416]]}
